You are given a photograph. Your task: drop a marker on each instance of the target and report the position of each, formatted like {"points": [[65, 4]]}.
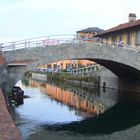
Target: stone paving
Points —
{"points": [[8, 130]]}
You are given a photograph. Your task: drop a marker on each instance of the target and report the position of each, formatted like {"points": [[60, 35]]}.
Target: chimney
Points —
{"points": [[132, 17]]}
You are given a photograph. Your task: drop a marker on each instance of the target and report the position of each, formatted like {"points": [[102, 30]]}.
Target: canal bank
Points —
{"points": [[101, 78], [8, 130]]}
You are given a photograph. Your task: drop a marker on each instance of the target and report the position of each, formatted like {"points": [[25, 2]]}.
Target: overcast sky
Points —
{"points": [[21, 19]]}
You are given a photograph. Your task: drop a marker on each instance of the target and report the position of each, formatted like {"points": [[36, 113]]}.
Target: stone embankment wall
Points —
{"points": [[102, 78], [108, 79], [8, 130]]}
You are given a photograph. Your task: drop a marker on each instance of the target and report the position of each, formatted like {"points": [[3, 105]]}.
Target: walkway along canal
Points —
{"points": [[8, 130]]}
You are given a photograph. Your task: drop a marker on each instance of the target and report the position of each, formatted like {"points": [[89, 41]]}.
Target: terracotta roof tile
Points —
{"points": [[121, 27]]}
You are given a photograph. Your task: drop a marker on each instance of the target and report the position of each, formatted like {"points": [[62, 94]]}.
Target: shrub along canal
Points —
{"points": [[58, 111]]}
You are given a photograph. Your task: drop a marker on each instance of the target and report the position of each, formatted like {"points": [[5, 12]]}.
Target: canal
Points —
{"points": [[58, 111]]}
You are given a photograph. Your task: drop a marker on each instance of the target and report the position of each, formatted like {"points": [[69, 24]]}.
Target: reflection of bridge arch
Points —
{"points": [[108, 122]]}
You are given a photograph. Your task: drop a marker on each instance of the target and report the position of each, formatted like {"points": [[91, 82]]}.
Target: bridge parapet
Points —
{"points": [[57, 40], [37, 42]]}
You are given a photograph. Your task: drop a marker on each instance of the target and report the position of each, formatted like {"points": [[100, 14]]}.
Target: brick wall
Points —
{"points": [[2, 59]]}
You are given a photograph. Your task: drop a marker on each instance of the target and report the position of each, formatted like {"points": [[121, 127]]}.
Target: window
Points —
{"points": [[54, 66], [68, 65], [120, 39], [114, 39], [49, 66], [138, 38], [128, 39], [79, 65]]}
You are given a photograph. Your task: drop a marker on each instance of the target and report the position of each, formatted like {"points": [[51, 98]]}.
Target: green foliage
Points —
{"points": [[65, 77], [28, 74]]}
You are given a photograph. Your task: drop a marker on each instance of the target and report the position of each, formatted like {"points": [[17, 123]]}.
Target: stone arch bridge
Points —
{"points": [[122, 61]]}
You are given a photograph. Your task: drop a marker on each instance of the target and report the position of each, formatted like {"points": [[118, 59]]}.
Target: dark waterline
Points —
{"points": [[45, 116]]}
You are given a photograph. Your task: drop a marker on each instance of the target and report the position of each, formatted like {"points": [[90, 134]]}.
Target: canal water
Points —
{"points": [[59, 111]]}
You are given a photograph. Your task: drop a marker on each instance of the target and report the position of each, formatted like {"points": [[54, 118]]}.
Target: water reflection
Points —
{"points": [[78, 98], [60, 111], [59, 107]]}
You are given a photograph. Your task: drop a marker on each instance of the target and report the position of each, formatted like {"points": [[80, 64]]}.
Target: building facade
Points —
{"points": [[87, 35], [128, 33], [68, 64]]}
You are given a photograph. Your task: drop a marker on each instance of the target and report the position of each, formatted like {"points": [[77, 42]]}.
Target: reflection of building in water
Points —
{"points": [[70, 98]]}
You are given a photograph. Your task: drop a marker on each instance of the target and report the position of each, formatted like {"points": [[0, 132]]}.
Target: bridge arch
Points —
{"points": [[122, 71], [121, 61]]}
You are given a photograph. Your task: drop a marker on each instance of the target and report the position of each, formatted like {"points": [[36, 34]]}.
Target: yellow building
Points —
{"points": [[69, 64], [128, 33]]}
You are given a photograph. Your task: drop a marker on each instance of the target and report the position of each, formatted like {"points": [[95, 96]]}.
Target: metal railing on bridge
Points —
{"points": [[61, 39], [37, 42]]}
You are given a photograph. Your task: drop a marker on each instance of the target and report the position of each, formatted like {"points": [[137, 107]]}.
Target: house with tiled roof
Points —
{"points": [[87, 34], [128, 33]]}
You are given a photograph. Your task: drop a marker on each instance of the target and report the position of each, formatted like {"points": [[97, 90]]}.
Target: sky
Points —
{"points": [[22, 19]]}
